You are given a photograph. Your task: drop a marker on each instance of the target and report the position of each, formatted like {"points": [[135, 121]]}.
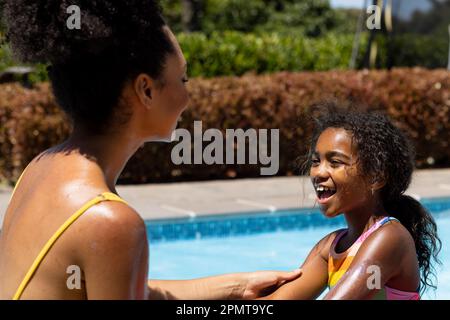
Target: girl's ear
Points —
{"points": [[378, 183]]}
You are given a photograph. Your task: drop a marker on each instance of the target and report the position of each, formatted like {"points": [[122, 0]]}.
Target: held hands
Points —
{"points": [[262, 283]]}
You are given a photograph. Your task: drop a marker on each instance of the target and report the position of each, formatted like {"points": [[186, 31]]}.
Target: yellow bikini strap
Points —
{"points": [[106, 196], [17, 183]]}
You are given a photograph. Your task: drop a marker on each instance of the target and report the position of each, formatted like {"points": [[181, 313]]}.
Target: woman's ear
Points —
{"points": [[143, 87]]}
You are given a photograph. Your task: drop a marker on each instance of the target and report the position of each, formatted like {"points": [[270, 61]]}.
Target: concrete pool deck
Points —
{"points": [[195, 199]]}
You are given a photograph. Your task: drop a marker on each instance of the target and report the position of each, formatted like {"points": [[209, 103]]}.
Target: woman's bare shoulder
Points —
{"points": [[112, 223]]}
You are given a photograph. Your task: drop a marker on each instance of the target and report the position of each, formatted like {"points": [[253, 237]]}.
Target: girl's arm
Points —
{"points": [[248, 285], [314, 277]]}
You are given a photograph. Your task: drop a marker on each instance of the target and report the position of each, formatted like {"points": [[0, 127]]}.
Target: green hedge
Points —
{"points": [[418, 100], [6, 59], [234, 53], [310, 18], [430, 51]]}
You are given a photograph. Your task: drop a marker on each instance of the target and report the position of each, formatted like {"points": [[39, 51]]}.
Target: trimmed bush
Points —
{"points": [[30, 122], [306, 17], [429, 51], [234, 53], [418, 100]]}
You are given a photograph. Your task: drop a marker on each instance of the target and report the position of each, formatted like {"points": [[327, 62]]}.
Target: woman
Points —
{"points": [[360, 165], [121, 80]]}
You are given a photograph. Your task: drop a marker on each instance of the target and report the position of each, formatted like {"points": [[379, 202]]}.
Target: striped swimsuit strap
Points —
{"points": [[339, 263]]}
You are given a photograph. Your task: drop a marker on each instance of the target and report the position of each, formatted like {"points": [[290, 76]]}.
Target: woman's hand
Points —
{"points": [[262, 283], [233, 286]]}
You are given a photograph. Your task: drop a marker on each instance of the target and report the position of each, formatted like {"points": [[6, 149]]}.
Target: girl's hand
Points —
{"points": [[262, 283]]}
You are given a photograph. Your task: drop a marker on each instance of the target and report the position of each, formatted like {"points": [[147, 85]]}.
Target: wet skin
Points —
{"points": [[108, 242], [335, 166]]}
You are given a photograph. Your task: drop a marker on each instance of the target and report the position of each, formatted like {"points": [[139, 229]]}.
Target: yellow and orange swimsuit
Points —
{"points": [[339, 263]]}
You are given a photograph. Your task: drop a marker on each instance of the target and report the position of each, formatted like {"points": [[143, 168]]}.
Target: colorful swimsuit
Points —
{"points": [[339, 263]]}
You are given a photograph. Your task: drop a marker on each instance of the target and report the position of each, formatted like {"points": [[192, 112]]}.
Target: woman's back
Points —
{"points": [[53, 187]]}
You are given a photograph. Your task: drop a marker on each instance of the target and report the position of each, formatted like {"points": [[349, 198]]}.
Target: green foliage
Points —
{"points": [[237, 53], [433, 21], [173, 14], [346, 20], [425, 50], [7, 60], [236, 15], [308, 17], [234, 53], [311, 18], [278, 41]]}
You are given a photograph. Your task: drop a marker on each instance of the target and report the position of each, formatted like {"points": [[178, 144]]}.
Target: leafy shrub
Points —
{"points": [[430, 51], [309, 17], [234, 53], [237, 53], [30, 121]]}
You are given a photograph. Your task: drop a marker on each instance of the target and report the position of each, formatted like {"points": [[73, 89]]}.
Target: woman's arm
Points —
{"points": [[114, 255], [246, 285], [115, 264], [314, 277]]}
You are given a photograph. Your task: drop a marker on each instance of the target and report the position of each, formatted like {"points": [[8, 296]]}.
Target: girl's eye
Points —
{"points": [[336, 162], [315, 162], [185, 80]]}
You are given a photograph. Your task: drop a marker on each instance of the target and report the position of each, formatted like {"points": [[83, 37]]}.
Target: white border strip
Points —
{"points": [[257, 204], [190, 213]]}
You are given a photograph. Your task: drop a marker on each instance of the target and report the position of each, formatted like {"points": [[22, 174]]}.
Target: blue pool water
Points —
{"points": [[185, 249]]}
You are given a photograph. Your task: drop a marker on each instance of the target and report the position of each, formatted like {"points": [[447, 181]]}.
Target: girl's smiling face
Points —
{"points": [[340, 187]]}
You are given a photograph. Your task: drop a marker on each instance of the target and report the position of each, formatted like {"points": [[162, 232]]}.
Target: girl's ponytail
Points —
{"points": [[421, 225]]}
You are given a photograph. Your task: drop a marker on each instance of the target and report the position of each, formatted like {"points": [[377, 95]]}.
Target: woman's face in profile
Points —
{"points": [[169, 97]]}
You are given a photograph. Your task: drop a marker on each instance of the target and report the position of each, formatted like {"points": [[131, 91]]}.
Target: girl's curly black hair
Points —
{"points": [[88, 67], [384, 152]]}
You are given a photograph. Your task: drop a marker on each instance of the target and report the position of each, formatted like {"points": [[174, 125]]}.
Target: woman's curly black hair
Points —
{"points": [[384, 152], [88, 67]]}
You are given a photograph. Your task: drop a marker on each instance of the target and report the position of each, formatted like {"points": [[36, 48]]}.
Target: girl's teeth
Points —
{"points": [[320, 188]]}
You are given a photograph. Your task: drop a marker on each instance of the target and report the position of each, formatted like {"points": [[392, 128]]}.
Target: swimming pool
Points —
{"points": [[191, 248]]}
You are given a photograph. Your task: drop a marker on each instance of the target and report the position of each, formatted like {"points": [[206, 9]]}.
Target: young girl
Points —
{"points": [[360, 165]]}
